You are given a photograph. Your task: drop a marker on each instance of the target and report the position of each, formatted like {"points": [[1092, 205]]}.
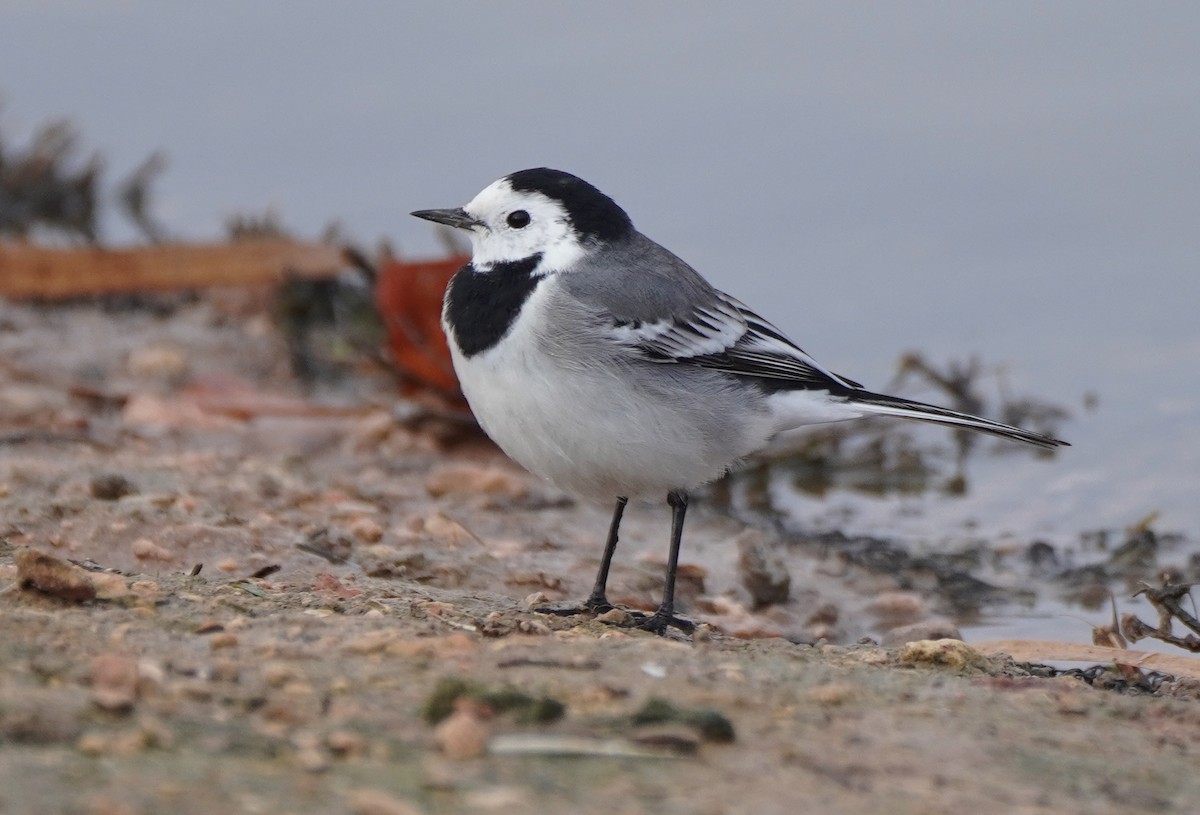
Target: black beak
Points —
{"points": [[457, 218]]}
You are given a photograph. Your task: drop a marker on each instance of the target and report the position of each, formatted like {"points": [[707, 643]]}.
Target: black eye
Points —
{"points": [[518, 219]]}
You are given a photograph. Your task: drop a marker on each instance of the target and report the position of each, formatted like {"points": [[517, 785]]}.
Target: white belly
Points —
{"points": [[597, 433]]}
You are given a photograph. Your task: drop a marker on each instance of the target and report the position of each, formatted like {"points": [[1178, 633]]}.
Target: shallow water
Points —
{"points": [[1079, 501]]}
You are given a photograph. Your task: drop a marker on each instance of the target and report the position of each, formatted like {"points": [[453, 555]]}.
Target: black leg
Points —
{"points": [[598, 600], [659, 621]]}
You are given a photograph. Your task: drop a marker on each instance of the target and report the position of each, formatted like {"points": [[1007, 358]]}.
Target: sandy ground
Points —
{"points": [[177, 669]]}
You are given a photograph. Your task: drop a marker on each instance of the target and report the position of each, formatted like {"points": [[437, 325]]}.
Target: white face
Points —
{"points": [[506, 235]]}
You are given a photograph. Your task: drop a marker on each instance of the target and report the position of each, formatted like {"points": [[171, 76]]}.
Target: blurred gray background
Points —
{"points": [[1018, 181]]}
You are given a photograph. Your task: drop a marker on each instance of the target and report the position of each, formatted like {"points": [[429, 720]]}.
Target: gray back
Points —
{"points": [[636, 279]]}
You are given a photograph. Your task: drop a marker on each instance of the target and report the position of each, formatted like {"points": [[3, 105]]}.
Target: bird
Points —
{"points": [[602, 362]]}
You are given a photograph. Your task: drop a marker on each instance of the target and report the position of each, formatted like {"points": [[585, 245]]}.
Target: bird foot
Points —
{"points": [[659, 622]]}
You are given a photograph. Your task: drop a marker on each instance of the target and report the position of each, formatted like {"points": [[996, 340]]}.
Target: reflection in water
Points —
{"points": [[892, 499], [882, 457]]}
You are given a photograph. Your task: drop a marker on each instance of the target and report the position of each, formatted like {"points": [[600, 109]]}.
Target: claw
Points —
{"points": [[658, 623]]}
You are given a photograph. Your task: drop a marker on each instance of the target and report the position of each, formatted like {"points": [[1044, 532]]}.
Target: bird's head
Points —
{"points": [[536, 212]]}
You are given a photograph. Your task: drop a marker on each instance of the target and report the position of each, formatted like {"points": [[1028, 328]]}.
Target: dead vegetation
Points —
{"points": [[51, 191], [1167, 600]]}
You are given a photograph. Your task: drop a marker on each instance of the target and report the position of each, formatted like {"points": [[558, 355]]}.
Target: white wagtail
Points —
{"points": [[600, 361]]}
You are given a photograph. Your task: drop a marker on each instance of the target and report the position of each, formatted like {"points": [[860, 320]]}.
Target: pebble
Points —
{"points": [[824, 614], [146, 549], [373, 642], [157, 733], [109, 586], [928, 630], [1042, 557], [371, 431], [25, 403], [92, 743], [111, 486], [345, 744], [465, 732], [151, 675], [41, 715], [122, 744], [278, 674], [941, 654], [312, 760], [199, 690], [535, 600], [53, 576], [296, 703], [451, 645], [444, 529], [146, 591], [1073, 703], [832, 694], [896, 608], [762, 570], [471, 479], [654, 670], [534, 627], [381, 560], [615, 616], [367, 530], [226, 670], [114, 681], [872, 656], [222, 639]]}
